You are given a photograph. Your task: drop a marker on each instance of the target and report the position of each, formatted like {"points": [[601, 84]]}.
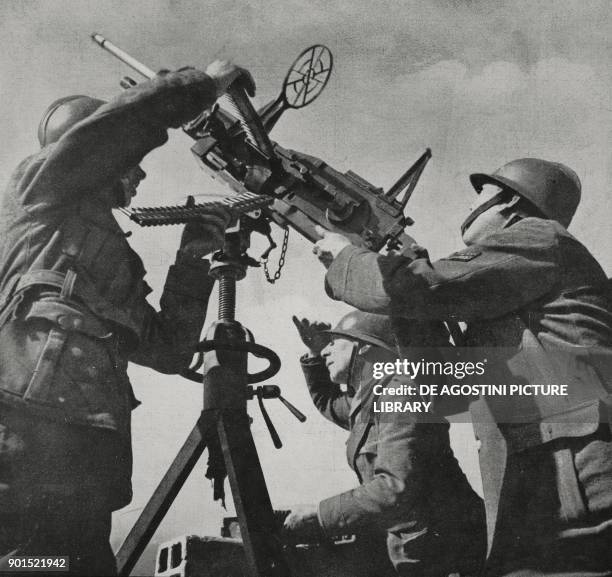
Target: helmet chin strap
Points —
{"points": [[497, 199], [356, 368], [126, 192], [353, 368], [119, 194]]}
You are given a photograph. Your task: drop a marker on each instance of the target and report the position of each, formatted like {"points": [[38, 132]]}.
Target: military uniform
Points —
{"points": [[73, 311], [537, 299], [412, 493]]}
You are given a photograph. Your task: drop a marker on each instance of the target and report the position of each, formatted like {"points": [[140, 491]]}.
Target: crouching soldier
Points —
{"points": [[412, 492]]}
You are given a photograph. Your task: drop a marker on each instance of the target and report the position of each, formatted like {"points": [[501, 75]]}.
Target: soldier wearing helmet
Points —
{"points": [[73, 312], [538, 304], [413, 495], [62, 114]]}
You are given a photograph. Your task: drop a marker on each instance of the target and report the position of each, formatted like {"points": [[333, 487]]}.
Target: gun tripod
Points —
{"points": [[223, 428]]}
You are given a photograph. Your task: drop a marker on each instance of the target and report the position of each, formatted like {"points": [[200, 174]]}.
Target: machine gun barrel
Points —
{"points": [[123, 56], [235, 97]]}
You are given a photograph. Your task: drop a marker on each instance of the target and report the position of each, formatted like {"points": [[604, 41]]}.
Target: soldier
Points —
{"points": [[532, 294], [413, 493], [73, 312]]}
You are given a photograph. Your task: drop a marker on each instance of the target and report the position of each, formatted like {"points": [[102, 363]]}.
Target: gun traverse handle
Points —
{"points": [[241, 106]]}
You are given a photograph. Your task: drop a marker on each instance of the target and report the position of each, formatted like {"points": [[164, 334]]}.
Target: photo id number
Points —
{"points": [[36, 563]]}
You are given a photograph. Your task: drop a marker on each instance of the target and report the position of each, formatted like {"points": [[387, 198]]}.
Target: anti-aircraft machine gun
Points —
{"points": [[293, 190], [302, 190]]}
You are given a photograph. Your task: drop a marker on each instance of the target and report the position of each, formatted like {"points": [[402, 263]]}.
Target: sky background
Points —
{"points": [[479, 82]]}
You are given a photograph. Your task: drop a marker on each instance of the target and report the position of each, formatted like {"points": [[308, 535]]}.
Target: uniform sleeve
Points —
{"points": [[333, 403], [403, 453], [171, 334], [509, 270], [116, 137]]}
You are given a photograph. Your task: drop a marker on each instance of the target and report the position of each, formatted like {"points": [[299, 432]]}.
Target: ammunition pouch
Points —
{"points": [[67, 317], [58, 358], [14, 294]]}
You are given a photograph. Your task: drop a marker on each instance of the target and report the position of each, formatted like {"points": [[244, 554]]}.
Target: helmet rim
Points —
{"points": [[361, 330], [551, 187], [48, 134]]}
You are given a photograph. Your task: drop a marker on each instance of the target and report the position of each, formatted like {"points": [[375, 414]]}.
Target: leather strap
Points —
{"points": [[42, 379]]}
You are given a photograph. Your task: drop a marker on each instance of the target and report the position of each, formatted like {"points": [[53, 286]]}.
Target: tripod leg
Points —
{"points": [[161, 500], [257, 524]]}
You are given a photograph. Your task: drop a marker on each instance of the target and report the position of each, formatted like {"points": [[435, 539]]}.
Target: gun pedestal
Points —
{"points": [[223, 428]]}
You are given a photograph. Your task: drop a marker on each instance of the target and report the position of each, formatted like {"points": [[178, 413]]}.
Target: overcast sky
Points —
{"points": [[480, 82]]}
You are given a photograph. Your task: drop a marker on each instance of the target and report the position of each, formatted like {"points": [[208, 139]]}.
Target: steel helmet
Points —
{"points": [[367, 328], [63, 114], [553, 188]]}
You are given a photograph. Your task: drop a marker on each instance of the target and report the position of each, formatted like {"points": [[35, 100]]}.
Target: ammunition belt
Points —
{"points": [[164, 215]]}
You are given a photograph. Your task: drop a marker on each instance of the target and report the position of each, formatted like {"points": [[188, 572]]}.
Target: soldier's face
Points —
{"points": [[489, 221], [338, 354], [128, 185]]}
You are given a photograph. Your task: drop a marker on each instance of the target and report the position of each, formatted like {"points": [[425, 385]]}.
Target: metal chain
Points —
{"points": [[281, 261]]}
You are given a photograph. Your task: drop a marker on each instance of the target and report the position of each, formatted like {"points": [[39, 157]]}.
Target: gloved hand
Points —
{"points": [[205, 235], [312, 335], [224, 73], [302, 524], [330, 245]]}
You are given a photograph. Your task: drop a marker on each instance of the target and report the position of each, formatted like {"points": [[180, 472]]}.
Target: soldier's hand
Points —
{"points": [[302, 525], [207, 234], [330, 245], [313, 335], [225, 73], [420, 251], [412, 252]]}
